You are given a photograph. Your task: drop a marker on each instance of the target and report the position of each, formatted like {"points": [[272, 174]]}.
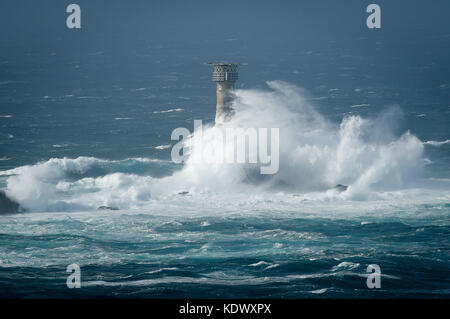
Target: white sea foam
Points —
{"points": [[60, 145], [315, 155], [191, 280], [168, 111], [437, 143], [161, 270], [319, 291], [345, 265], [235, 281], [163, 147], [259, 263]]}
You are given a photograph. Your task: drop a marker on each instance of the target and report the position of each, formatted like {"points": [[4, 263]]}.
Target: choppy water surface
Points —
{"points": [[85, 125]]}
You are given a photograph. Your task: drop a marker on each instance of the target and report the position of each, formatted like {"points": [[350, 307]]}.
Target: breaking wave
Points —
{"points": [[315, 155], [437, 143]]}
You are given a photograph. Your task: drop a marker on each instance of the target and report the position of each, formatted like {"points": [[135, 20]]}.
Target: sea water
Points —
{"points": [[85, 151]]}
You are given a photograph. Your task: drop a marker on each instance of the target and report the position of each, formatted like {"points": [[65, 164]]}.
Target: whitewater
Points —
{"points": [[315, 155], [148, 227]]}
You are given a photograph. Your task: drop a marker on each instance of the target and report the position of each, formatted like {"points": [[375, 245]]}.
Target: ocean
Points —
{"points": [[85, 150]]}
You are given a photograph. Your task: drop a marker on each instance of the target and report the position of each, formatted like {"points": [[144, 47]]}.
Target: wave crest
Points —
{"points": [[315, 155]]}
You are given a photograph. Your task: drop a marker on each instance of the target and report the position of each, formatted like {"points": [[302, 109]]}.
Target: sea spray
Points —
{"points": [[314, 156]]}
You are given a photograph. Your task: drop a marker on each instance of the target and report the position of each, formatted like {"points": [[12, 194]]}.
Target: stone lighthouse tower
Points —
{"points": [[225, 75]]}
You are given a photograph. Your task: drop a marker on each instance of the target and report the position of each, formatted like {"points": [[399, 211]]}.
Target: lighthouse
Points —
{"points": [[225, 75]]}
